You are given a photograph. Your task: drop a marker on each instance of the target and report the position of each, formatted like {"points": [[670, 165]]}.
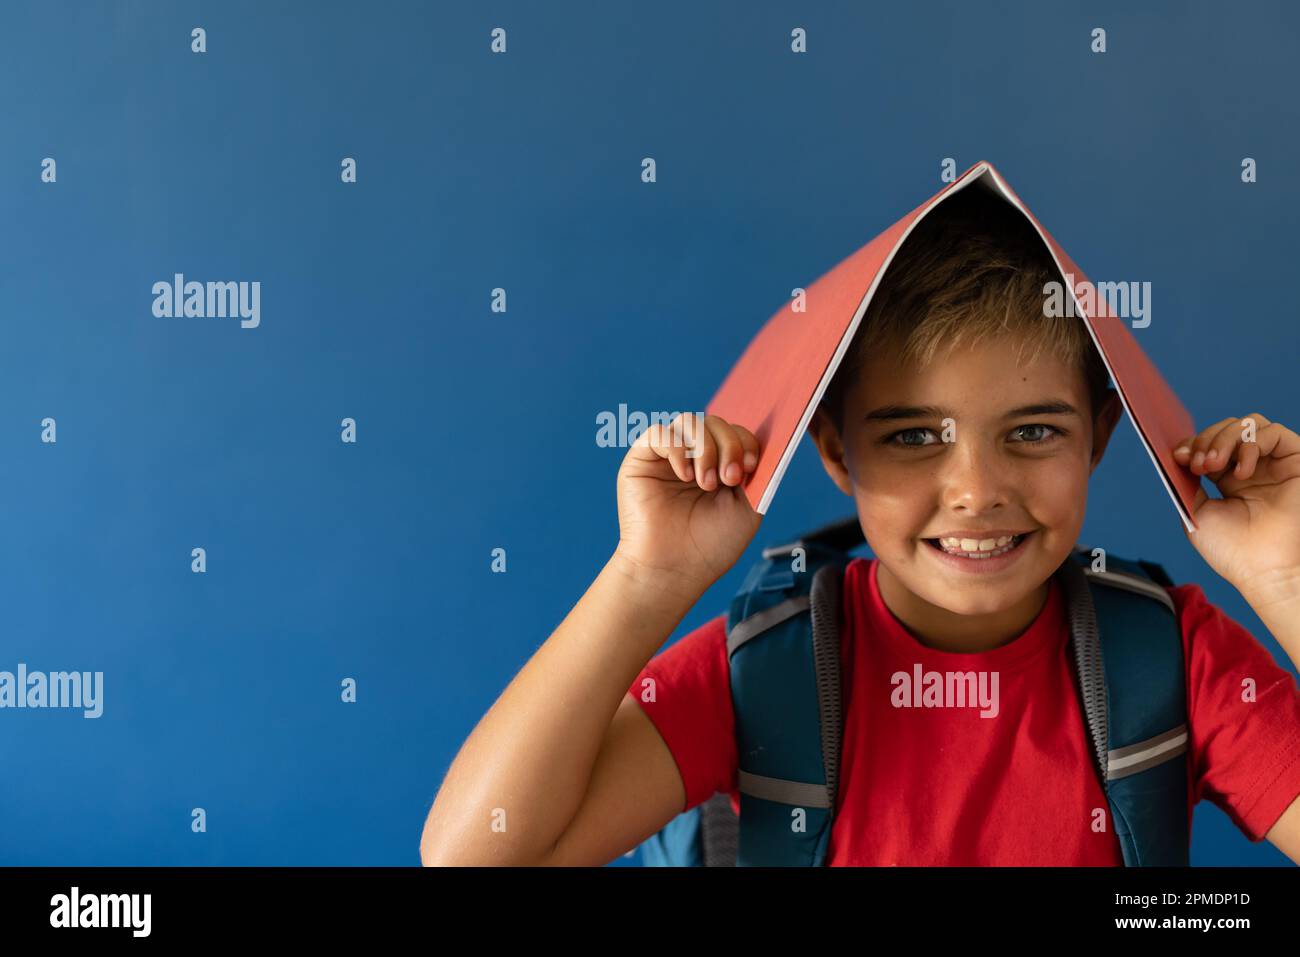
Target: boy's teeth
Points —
{"points": [[974, 546]]}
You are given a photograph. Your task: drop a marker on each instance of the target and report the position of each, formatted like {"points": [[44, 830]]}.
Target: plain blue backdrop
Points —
{"points": [[476, 429]]}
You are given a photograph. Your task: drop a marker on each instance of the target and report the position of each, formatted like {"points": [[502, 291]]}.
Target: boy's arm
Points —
{"points": [[1276, 600], [522, 776], [1251, 536], [565, 766], [1277, 603]]}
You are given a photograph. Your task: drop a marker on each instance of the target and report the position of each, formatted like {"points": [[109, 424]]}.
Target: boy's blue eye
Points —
{"points": [[914, 445], [1053, 433], [889, 440], [1038, 425]]}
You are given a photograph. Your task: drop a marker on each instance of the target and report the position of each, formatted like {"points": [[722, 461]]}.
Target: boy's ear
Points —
{"points": [[1103, 426], [827, 439]]}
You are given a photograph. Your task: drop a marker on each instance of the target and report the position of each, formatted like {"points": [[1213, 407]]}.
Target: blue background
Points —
{"points": [[477, 429]]}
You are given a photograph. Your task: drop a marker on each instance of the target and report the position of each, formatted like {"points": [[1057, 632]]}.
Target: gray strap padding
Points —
{"points": [[826, 609], [1086, 641], [794, 793], [719, 831], [759, 622], [1133, 583], [1133, 758]]}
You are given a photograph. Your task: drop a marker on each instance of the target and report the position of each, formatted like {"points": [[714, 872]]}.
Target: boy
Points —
{"points": [[965, 426]]}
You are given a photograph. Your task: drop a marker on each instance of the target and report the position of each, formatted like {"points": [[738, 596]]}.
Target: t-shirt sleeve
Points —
{"points": [[1244, 717], [686, 692]]}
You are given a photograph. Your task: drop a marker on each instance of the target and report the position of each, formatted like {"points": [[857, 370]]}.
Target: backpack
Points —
{"points": [[784, 652]]}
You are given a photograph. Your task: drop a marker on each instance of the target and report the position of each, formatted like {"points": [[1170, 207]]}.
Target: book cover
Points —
{"points": [[775, 386]]}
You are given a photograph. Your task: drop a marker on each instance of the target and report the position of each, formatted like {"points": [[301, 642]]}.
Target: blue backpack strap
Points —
{"points": [[784, 652], [1129, 659]]}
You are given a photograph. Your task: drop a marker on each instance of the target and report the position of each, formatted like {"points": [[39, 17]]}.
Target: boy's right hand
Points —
{"points": [[682, 515]]}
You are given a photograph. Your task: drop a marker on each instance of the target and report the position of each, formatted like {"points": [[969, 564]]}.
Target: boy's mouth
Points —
{"points": [[979, 555]]}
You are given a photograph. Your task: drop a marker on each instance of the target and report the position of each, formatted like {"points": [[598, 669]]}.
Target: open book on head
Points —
{"points": [[775, 386]]}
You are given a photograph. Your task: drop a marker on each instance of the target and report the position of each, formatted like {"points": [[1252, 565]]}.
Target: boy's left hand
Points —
{"points": [[1251, 536]]}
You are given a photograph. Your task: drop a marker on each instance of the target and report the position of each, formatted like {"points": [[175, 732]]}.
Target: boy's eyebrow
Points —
{"points": [[888, 413], [1047, 407]]}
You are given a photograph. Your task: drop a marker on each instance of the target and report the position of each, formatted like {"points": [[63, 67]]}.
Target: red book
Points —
{"points": [[775, 386]]}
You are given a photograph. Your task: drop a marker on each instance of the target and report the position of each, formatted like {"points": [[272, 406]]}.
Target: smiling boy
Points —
{"points": [[965, 426]]}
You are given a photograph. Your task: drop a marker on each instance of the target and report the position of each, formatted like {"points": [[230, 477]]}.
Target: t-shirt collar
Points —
{"points": [[1047, 629]]}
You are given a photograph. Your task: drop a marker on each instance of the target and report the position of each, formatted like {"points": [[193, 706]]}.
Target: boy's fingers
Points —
{"points": [[1284, 441], [1219, 449], [1201, 439], [706, 450], [1213, 451], [662, 442], [1247, 458], [1235, 438], [682, 465], [731, 452], [750, 445], [1201, 442], [1276, 442], [678, 432], [702, 452]]}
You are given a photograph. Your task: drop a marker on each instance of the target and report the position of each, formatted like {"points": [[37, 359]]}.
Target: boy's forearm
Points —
{"points": [[1277, 603], [521, 776]]}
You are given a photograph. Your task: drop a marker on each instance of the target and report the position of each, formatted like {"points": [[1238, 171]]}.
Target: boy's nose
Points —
{"points": [[975, 479]]}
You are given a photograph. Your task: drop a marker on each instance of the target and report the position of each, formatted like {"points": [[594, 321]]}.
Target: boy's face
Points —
{"points": [[1002, 471]]}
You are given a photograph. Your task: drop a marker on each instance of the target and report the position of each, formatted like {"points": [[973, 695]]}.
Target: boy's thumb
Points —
{"points": [[1197, 509]]}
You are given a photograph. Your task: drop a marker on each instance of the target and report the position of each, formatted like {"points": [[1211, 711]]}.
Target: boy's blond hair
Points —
{"points": [[972, 269]]}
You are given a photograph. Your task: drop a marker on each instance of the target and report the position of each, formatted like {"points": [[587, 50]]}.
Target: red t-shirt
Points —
{"points": [[945, 786]]}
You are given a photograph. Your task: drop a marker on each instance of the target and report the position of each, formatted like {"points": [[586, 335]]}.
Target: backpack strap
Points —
{"points": [[783, 645], [1128, 654]]}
